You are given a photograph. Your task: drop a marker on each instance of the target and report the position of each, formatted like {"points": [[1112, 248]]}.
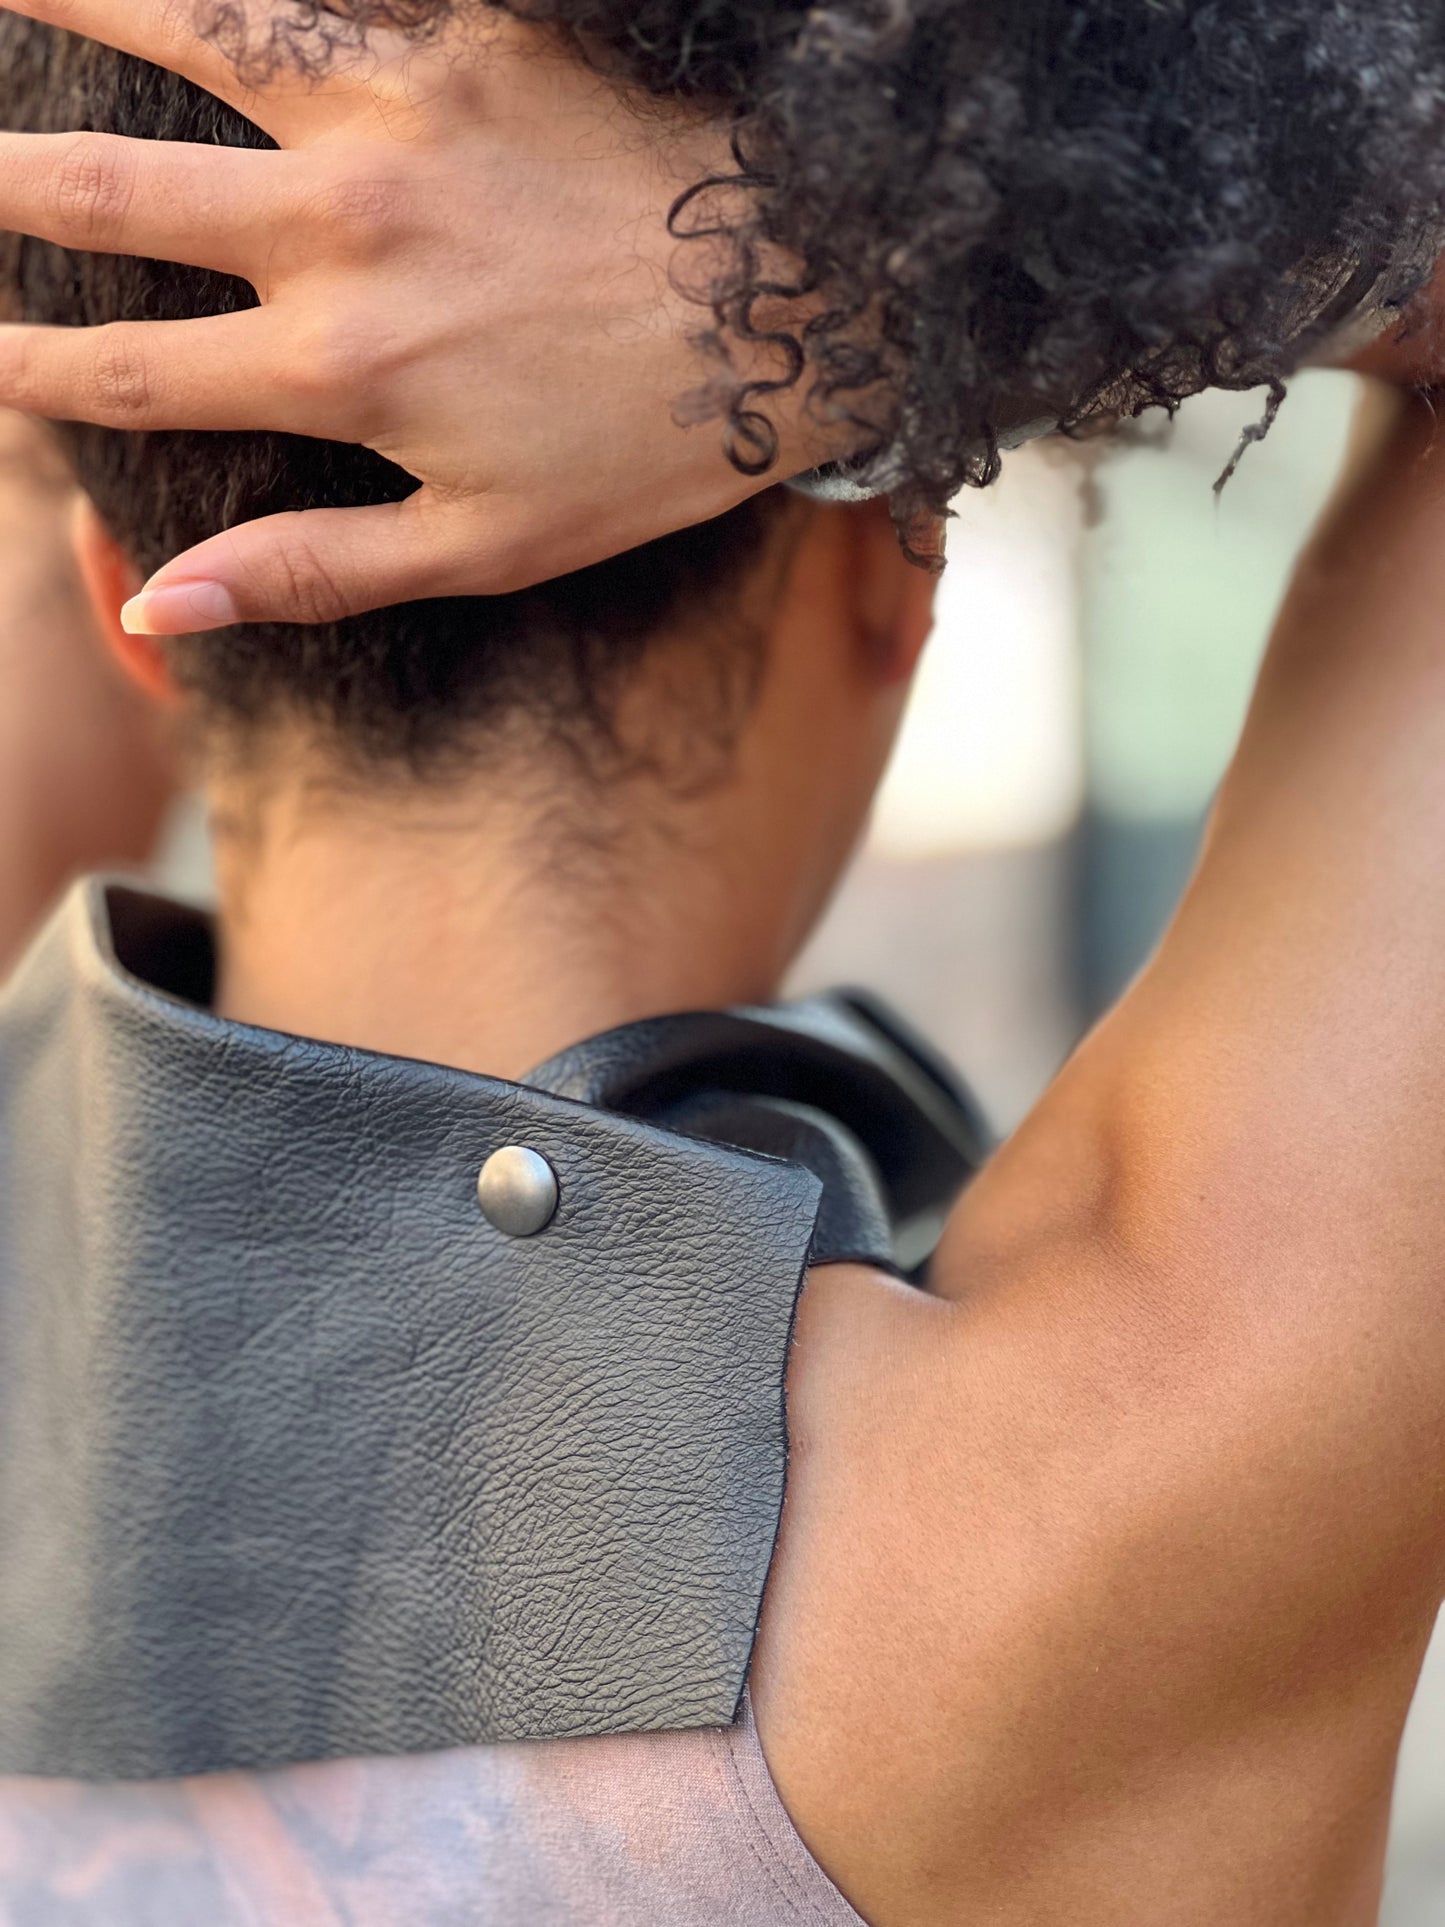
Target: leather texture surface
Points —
{"points": [[299, 1457], [853, 1222], [838, 1083]]}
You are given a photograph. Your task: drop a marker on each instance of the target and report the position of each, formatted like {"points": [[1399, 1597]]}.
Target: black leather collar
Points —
{"points": [[839, 1084], [300, 1457]]}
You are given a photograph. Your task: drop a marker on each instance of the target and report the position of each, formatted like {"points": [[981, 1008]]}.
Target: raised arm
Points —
{"points": [[931, 240], [1105, 1583], [1272, 1091]]}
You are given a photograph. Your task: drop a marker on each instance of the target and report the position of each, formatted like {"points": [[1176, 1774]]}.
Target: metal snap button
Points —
{"points": [[518, 1192]]}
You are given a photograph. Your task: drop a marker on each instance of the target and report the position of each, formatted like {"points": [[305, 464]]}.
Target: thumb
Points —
{"points": [[320, 565]]}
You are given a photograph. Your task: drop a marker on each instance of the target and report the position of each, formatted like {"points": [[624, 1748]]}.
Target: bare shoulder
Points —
{"points": [[1074, 1541]]}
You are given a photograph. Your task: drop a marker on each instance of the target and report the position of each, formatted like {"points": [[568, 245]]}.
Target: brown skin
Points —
{"points": [[536, 394], [1107, 1568], [536, 908], [86, 772], [538, 409], [1103, 1596], [494, 946]]}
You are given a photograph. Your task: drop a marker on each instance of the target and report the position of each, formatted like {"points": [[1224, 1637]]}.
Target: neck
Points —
{"points": [[452, 927]]}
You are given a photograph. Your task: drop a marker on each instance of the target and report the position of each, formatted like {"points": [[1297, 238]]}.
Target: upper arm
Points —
{"points": [[1093, 1562], [1142, 1527]]}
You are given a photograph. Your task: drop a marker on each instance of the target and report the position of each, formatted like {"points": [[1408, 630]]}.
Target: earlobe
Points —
{"points": [[110, 580]]}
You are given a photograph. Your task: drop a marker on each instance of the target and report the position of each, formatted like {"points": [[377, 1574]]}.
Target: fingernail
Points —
{"points": [[183, 609]]}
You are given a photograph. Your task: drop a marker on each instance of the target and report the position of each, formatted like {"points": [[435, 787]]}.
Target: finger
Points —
{"points": [[171, 33], [322, 565], [165, 200], [215, 373]]}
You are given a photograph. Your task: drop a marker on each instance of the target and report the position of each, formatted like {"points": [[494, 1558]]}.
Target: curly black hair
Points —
{"points": [[999, 216], [417, 689], [1009, 215]]}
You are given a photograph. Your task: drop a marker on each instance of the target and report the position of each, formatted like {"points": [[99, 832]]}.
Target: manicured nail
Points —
{"points": [[182, 609]]}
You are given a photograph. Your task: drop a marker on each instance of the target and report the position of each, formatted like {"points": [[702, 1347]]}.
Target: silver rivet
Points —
{"points": [[518, 1191]]}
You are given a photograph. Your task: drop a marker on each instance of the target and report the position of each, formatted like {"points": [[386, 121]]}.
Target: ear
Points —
{"points": [[892, 596], [111, 579]]}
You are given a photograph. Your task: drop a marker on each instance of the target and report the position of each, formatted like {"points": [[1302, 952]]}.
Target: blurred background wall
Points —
{"points": [[1098, 634]]}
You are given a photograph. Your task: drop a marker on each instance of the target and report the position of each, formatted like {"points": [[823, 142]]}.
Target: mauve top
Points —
{"points": [[652, 1830]]}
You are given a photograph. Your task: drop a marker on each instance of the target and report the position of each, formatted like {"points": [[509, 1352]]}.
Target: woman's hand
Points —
{"points": [[463, 260], [86, 770]]}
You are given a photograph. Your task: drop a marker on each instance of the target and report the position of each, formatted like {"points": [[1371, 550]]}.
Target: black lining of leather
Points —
{"points": [[844, 1058], [158, 950]]}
